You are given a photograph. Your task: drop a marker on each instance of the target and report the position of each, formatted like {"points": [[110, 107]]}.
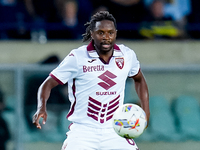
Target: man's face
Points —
{"points": [[104, 36]]}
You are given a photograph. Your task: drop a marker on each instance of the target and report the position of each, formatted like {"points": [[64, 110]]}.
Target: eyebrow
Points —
{"points": [[106, 30]]}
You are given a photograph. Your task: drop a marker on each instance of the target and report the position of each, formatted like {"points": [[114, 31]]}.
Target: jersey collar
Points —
{"points": [[92, 51]]}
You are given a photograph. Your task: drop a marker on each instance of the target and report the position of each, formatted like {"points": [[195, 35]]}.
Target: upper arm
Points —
{"points": [[138, 77], [49, 83], [45, 90]]}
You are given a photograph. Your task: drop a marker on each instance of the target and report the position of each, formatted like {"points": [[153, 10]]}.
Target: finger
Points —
{"points": [[36, 119], [38, 126], [44, 119], [37, 123]]}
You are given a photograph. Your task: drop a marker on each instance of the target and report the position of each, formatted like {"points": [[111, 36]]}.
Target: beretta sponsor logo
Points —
{"points": [[93, 68]]}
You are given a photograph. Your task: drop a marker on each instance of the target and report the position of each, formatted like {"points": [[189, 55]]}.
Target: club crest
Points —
{"points": [[120, 62]]}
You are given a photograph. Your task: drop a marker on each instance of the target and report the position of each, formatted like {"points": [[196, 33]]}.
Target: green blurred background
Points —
{"points": [[171, 69]]}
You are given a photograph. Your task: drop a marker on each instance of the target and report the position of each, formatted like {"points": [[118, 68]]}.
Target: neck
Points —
{"points": [[105, 55]]}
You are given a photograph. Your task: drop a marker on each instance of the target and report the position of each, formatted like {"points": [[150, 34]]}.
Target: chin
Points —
{"points": [[107, 49]]}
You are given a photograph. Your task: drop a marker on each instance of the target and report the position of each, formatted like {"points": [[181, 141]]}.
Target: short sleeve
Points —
{"points": [[135, 64], [66, 70]]}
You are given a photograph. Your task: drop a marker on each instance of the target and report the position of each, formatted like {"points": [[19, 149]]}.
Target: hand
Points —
{"points": [[37, 116], [147, 115]]}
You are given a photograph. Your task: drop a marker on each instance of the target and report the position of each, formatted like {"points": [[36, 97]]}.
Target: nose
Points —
{"points": [[106, 36]]}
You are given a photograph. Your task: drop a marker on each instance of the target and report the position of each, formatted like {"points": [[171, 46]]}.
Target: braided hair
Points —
{"points": [[99, 16]]}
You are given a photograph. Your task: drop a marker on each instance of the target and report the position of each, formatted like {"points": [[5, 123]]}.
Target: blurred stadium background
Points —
{"points": [[172, 72], [36, 35]]}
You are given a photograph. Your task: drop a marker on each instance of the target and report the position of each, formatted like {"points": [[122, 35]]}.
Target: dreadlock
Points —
{"points": [[99, 16]]}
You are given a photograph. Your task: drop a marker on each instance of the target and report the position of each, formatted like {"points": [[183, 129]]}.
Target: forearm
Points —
{"points": [[42, 97], [44, 92], [143, 94]]}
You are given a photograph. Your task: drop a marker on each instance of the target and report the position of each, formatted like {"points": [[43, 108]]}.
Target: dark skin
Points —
{"points": [[104, 37], [43, 95], [142, 92]]}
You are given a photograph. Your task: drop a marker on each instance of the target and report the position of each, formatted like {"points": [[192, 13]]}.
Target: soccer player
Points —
{"points": [[96, 76]]}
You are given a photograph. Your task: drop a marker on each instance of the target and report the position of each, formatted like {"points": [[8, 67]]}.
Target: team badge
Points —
{"points": [[120, 62]]}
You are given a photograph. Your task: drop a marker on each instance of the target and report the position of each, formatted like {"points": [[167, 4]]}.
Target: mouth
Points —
{"points": [[106, 45]]}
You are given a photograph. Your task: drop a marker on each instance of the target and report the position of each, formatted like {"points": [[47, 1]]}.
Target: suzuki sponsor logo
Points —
{"points": [[106, 77], [106, 93]]}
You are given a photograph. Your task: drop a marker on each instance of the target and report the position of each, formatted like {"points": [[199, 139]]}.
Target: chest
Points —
{"points": [[95, 69]]}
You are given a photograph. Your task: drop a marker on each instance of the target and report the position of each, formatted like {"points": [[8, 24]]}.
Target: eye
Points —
{"points": [[100, 33], [111, 33]]}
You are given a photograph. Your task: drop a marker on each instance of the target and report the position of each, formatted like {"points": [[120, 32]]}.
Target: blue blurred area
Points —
{"points": [[55, 19]]}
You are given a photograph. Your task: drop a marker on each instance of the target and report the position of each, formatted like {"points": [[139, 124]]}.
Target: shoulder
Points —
{"points": [[126, 50], [122, 46], [77, 55], [80, 51]]}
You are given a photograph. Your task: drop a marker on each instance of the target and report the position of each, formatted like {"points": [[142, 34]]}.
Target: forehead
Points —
{"points": [[104, 25]]}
